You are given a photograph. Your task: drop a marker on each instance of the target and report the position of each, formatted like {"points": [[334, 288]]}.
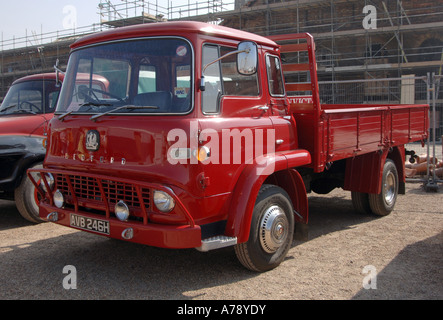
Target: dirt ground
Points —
{"points": [[401, 253]]}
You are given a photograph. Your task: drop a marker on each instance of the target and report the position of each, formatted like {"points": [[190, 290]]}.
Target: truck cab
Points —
{"points": [[189, 142]]}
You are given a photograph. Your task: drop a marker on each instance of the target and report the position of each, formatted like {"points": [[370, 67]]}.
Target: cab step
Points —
{"points": [[217, 242]]}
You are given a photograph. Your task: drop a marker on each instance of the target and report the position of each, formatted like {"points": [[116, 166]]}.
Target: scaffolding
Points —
{"points": [[343, 45], [408, 39], [356, 64], [140, 11]]}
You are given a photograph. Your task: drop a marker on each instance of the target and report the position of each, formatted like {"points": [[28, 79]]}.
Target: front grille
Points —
{"points": [[94, 194], [87, 192]]}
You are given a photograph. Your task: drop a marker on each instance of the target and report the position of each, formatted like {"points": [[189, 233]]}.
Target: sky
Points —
{"points": [[21, 17], [27, 17]]}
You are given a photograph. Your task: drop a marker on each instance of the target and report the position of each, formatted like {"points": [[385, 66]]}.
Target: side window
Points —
{"points": [[234, 83], [213, 87], [222, 78], [117, 72], [92, 83], [52, 103], [182, 81], [147, 79], [26, 99], [275, 78]]}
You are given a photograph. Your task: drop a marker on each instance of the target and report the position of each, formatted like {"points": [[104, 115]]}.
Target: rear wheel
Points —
{"points": [[360, 201], [383, 203], [272, 230], [26, 199]]}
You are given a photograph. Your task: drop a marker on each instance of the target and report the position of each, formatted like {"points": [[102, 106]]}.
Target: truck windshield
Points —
{"points": [[30, 97], [144, 76]]}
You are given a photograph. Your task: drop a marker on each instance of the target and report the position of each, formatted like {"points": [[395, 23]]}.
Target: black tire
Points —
{"points": [[383, 203], [272, 231], [360, 201], [25, 199]]}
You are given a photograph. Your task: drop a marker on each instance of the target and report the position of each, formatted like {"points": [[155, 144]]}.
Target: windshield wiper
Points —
{"points": [[87, 104], [95, 104], [131, 107], [25, 111], [8, 107], [65, 115], [17, 111]]}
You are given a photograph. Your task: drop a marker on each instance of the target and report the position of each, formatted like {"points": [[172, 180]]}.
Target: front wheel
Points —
{"points": [[27, 199], [272, 230]]}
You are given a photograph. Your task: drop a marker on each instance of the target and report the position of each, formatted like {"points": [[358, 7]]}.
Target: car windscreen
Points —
{"points": [[143, 76], [30, 97]]}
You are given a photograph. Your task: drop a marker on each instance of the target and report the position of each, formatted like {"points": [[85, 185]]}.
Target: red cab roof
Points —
{"points": [[175, 28], [39, 76]]}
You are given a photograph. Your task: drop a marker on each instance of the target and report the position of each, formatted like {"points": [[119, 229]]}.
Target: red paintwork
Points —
{"points": [[24, 124], [134, 151], [184, 28], [39, 76], [184, 235], [27, 124]]}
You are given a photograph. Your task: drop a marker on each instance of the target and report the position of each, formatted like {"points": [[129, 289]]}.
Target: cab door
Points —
{"points": [[283, 122], [235, 120]]}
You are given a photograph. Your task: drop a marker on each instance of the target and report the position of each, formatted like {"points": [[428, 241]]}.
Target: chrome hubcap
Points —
{"points": [[274, 228], [389, 189]]}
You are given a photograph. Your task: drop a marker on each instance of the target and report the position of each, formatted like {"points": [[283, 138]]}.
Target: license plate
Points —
{"points": [[90, 224]]}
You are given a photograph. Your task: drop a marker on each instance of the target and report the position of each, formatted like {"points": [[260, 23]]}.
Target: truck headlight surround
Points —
{"points": [[50, 180], [204, 153], [59, 200], [121, 211], [163, 201]]}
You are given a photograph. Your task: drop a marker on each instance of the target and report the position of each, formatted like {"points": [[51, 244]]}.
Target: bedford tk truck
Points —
{"points": [[202, 140], [24, 116]]}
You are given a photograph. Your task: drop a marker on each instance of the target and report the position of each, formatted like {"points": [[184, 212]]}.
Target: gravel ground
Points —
{"points": [[403, 251]]}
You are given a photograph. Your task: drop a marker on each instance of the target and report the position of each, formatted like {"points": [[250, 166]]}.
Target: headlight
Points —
{"points": [[50, 180], [59, 200], [163, 201], [122, 211]]}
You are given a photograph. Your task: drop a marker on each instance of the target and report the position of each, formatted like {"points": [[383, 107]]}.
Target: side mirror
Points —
{"points": [[247, 58]]}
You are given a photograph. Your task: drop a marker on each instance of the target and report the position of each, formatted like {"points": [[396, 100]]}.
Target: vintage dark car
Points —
{"points": [[24, 115]]}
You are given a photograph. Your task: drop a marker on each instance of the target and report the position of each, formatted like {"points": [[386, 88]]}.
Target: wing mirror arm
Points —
{"points": [[246, 60], [58, 71]]}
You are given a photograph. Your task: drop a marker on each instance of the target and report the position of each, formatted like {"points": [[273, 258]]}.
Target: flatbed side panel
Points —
{"points": [[354, 131], [358, 129], [408, 123]]}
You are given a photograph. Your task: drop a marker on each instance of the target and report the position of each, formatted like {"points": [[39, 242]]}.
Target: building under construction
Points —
{"points": [[363, 47]]}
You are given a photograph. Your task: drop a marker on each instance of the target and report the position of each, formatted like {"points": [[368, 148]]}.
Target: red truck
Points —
{"points": [[24, 115], [201, 141]]}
